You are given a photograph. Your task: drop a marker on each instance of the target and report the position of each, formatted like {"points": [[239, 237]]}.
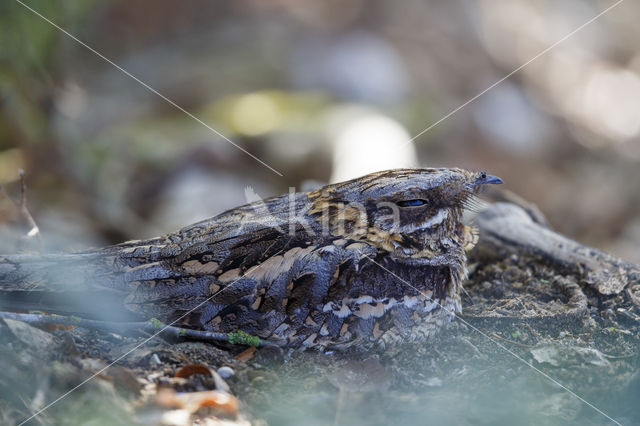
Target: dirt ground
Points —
{"points": [[519, 324]]}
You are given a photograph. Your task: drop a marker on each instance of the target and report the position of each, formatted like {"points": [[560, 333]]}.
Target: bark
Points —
{"points": [[507, 229]]}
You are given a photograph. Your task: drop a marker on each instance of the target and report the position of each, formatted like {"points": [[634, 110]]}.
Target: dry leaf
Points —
{"points": [[191, 369], [246, 355], [193, 401]]}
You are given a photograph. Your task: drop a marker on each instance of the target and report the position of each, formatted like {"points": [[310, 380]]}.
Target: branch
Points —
{"points": [[152, 326], [507, 229], [21, 205]]}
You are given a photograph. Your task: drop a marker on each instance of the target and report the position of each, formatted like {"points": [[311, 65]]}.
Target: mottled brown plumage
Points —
{"points": [[327, 268]]}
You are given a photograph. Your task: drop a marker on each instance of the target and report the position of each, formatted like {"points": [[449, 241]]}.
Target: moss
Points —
{"points": [[242, 338], [156, 323]]}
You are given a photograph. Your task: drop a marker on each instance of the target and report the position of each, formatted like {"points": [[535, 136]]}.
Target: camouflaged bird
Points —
{"points": [[371, 261]]}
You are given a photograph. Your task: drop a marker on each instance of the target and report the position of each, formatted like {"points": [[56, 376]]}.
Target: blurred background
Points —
{"points": [[319, 91]]}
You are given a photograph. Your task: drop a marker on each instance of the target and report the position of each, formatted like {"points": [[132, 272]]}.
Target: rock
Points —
{"points": [[39, 340], [559, 355], [226, 372]]}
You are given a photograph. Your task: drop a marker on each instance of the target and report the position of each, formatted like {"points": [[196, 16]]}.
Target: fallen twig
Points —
{"points": [[21, 205], [151, 326]]}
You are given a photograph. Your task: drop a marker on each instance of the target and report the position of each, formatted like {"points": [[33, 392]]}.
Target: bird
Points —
{"points": [[370, 263]]}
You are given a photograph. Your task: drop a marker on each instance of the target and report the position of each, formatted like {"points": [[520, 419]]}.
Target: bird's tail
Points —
{"points": [[83, 284]]}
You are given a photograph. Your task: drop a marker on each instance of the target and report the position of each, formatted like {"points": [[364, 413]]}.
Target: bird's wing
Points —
{"points": [[248, 268]]}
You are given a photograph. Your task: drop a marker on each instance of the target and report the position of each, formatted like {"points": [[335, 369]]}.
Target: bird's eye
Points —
{"points": [[411, 203]]}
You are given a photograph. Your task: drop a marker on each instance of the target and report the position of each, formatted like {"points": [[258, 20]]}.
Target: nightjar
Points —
{"points": [[369, 262]]}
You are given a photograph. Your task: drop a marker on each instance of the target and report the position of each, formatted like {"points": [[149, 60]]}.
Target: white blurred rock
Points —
{"points": [[365, 141]]}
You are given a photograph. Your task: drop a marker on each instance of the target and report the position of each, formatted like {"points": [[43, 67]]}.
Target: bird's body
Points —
{"points": [[374, 260]]}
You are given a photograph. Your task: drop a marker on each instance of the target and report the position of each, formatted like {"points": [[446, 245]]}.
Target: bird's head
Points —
{"points": [[403, 211]]}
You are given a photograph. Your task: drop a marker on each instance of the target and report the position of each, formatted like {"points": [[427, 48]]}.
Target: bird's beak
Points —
{"points": [[485, 179], [489, 180]]}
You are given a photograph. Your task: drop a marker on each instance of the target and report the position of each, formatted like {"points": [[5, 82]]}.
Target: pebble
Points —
{"points": [[226, 372], [155, 359]]}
